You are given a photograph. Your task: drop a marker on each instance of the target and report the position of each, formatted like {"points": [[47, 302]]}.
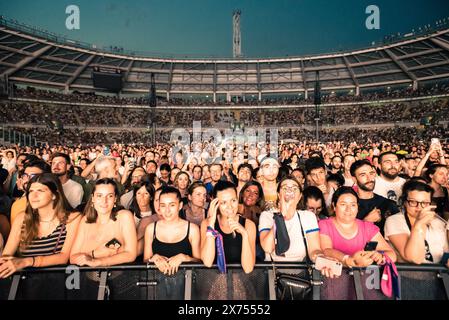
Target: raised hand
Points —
{"points": [[373, 216], [212, 213]]}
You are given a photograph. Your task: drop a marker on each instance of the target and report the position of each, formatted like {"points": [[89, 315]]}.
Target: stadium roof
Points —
{"points": [[32, 59]]}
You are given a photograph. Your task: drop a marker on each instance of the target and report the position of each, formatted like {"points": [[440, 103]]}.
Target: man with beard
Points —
{"points": [[389, 184], [269, 167], [138, 174], [216, 174], [73, 191], [372, 207], [336, 164], [244, 174]]}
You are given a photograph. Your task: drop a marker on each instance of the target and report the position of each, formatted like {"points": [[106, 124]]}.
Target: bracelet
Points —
{"points": [[93, 256]]}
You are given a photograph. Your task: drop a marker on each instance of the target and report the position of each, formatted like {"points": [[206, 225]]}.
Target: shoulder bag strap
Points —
{"points": [[61, 231], [308, 261]]}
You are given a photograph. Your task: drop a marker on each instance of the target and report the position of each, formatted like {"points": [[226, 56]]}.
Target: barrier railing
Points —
{"points": [[196, 282]]}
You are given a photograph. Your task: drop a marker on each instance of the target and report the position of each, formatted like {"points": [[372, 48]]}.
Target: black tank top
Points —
{"points": [[172, 249], [232, 246]]}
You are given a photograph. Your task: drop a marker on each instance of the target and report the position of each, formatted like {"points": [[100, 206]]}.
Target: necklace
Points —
{"points": [[48, 221]]}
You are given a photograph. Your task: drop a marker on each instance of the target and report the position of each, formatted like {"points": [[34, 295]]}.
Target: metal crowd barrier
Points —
{"points": [[196, 282]]}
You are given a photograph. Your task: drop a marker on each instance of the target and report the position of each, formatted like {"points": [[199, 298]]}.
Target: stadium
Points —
{"points": [[71, 100]]}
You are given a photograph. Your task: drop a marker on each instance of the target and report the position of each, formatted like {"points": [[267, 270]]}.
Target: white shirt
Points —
{"points": [[8, 164], [435, 235], [297, 250], [143, 215], [348, 182], [126, 199], [389, 190], [74, 192]]}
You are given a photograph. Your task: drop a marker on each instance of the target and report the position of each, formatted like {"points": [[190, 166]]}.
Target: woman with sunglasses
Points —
{"points": [[418, 234]]}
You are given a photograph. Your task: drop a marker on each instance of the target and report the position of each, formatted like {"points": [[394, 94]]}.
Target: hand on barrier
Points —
{"points": [[174, 263], [161, 263], [86, 260], [363, 258], [9, 265], [377, 257]]}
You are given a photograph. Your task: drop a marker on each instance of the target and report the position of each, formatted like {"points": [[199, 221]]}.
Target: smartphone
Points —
{"points": [[113, 242], [335, 266], [371, 246], [435, 141], [131, 163], [445, 258]]}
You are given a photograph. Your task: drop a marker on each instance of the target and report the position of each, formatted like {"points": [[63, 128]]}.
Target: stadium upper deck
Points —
{"points": [[32, 59]]}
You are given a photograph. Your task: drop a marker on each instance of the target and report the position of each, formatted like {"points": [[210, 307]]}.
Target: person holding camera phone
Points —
{"points": [[297, 222], [418, 234], [344, 237], [435, 155], [107, 234]]}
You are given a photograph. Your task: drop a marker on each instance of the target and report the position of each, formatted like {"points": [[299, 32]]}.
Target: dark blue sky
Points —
{"points": [[270, 28]]}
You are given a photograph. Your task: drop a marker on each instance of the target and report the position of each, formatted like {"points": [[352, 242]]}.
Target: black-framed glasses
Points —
{"points": [[29, 175], [414, 203], [290, 188]]}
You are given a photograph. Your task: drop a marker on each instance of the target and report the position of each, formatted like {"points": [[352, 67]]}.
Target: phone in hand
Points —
{"points": [[371, 246], [114, 242], [445, 258], [322, 262], [435, 141]]}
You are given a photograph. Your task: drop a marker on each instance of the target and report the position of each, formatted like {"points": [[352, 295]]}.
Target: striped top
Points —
{"points": [[46, 246]]}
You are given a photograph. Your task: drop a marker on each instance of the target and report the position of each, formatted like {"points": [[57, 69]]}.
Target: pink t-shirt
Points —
{"points": [[366, 232]]}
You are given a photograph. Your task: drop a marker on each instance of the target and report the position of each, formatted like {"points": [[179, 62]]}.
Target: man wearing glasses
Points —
{"points": [[32, 169], [136, 177]]}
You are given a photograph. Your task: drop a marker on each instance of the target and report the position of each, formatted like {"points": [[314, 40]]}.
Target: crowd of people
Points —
{"points": [[31, 113], [107, 197], [171, 204], [395, 134], [249, 100]]}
